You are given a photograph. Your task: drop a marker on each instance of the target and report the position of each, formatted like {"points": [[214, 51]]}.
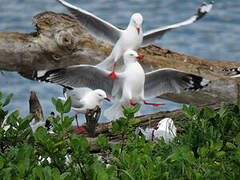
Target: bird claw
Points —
{"points": [[80, 130], [113, 75]]}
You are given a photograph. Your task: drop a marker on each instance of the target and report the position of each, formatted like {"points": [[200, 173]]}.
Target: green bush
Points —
{"points": [[209, 148]]}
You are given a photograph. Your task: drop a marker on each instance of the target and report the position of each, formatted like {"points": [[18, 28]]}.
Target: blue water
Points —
{"points": [[216, 36]]}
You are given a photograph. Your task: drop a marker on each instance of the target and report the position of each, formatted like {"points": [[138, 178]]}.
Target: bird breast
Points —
{"points": [[131, 39], [135, 77]]}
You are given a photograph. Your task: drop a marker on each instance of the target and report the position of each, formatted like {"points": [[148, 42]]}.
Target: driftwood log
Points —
{"points": [[149, 120], [60, 41]]}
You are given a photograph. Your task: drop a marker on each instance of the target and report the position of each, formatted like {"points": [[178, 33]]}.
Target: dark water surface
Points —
{"points": [[216, 36]]}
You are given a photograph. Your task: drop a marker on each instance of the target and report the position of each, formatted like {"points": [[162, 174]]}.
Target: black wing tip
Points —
{"points": [[232, 71], [45, 77], [65, 88], [202, 11], [196, 82]]}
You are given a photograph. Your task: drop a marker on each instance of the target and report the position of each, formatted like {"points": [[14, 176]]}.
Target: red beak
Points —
{"points": [[155, 127], [138, 30], [139, 57], [107, 99]]}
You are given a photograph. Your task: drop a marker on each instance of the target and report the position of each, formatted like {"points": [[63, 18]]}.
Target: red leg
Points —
{"points": [[153, 104], [131, 102], [112, 74], [76, 119], [79, 129]]}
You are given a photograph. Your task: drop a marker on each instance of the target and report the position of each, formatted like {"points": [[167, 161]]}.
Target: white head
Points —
{"points": [[131, 56], [136, 21], [100, 95]]}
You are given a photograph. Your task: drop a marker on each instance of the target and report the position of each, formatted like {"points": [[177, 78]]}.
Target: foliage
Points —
{"points": [[209, 148]]}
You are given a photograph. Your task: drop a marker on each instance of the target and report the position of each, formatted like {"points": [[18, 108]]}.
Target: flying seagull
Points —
{"points": [[133, 85], [130, 38]]}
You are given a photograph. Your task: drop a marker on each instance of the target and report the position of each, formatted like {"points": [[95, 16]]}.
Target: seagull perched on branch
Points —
{"points": [[84, 99], [133, 85]]}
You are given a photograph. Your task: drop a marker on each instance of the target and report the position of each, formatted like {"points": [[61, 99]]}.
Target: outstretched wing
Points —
{"points": [[82, 76], [155, 34], [169, 80], [95, 25]]}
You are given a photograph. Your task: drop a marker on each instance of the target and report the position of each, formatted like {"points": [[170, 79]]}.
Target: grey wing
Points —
{"points": [[96, 26], [169, 80], [80, 76], [153, 35], [76, 95]]}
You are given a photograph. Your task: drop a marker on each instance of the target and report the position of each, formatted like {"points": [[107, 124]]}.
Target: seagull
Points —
{"points": [[84, 99], [133, 85], [130, 38], [165, 129]]}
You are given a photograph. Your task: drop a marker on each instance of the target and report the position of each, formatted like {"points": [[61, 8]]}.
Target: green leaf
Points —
{"points": [[218, 145], [221, 154], [67, 122], [47, 173], [23, 165], [8, 99], [185, 110], [133, 122], [67, 105], [136, 108], [59, 106], [12, 118], [41, 135], [0, 95], [125, 172], [54, 101], [102, 140], [1, 162], [66, 175], [102, 176], [55, 174], [230, 146], [38, 172], [238, 139]]}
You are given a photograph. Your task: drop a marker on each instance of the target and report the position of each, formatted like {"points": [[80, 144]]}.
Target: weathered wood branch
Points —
{"points": [[60, 41], [149, 120], [35, 107]]}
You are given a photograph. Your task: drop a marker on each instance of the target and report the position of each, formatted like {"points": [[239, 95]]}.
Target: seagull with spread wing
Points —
{"points": [[130, 38], [133, 85]]}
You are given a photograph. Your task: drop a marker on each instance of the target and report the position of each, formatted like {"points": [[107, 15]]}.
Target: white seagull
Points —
{"points": [[133, 85], [84, 99], [165, 129], [130, 38]]}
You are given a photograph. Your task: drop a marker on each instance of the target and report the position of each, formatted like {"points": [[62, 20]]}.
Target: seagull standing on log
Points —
{"points": [[130, 38], [84, 99]]}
